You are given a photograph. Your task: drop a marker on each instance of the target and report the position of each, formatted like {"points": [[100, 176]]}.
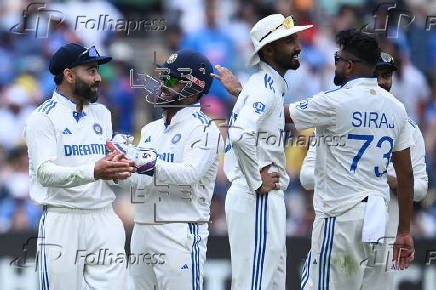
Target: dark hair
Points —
{"points": [[58, 78], [359, 44]]}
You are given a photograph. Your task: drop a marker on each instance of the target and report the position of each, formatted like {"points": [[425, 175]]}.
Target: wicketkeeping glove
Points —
{"points": [[144, 158]]}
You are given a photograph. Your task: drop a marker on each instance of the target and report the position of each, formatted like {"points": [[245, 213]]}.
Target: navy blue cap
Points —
{"points": [[191, 65], [386, 60], [72, 54]]}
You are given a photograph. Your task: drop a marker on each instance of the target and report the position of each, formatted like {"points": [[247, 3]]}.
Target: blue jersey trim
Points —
{"points": [[57, 92], [330, 91]]}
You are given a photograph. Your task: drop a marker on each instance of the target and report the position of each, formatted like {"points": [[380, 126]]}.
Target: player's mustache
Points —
{"points": [[95, 85]]}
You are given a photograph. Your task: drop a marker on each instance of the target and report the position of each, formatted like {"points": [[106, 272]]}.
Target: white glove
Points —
{"points": [[144, 158], [125, 139]]}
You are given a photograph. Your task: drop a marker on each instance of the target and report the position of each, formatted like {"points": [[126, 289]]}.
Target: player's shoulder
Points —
{"points": [[47, 108], [151, 125], [413, 125], [45, 111], [200, 123], [337, 92], [199, 118], [259, 84], [393, 101]]}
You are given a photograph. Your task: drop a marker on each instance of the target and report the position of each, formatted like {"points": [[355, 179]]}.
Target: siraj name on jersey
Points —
{"points": [[371, 120]]}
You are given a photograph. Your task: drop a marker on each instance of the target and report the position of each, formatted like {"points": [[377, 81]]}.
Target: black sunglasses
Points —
{"points": [[339, 58]]}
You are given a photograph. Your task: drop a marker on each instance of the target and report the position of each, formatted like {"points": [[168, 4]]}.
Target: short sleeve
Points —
{"points": [[405, 137], [316, 111]]}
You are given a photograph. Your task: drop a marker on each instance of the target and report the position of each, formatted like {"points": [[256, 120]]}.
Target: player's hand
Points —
{"points": [[121, 157], [109, 168], [404, 251], [228, 79], [269, 180], [143, 159], [392, 182]]}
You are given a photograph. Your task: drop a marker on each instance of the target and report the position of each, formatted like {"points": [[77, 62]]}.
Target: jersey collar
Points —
{"points": [[181, 115], [361, 81], [69, 104], [61, 98]]}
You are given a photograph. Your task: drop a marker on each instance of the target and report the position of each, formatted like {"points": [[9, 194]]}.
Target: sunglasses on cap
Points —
{"points": [[87, 54], [339, 58], [287, 23], [385, 57]]}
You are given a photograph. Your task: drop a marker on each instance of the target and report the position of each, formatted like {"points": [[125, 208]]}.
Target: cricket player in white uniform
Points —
{"points": [[384, 69], [255, 161], [80, 238], [172, 207], [351, 191]]}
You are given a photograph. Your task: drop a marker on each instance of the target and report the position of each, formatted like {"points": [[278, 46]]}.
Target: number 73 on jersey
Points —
{"points": [[368, 139]]}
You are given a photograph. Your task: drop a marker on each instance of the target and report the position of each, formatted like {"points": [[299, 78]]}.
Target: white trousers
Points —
{"points": [[81, 249], [257, 235], [171, 256], [339, 260]]}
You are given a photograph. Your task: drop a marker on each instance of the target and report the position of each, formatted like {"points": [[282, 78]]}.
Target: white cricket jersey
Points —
{"points": [[358, 126], [417, 156], [182, 186], [63, 146], [256, 134]]}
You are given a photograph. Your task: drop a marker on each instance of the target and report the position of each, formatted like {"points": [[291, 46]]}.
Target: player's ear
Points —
{"points": [[349, 67], [68, 75], [267, 50]]}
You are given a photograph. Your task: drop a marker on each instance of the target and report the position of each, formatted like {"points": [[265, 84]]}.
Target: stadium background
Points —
{"points": [[220, 30]]}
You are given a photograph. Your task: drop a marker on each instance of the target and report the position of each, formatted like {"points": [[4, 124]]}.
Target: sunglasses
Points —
{"points": [[88, 53], [339, 58], [386, 57]]}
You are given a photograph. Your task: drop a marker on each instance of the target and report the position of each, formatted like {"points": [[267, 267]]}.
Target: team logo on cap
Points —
{"points": [[172, 58], [97, 129]]}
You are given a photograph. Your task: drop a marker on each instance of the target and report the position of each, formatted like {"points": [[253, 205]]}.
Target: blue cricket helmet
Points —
{"points": [[191, 67]]}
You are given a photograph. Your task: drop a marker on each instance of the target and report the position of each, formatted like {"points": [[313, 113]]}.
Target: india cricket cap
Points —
{"points": [[72, 54], [269, 29]]}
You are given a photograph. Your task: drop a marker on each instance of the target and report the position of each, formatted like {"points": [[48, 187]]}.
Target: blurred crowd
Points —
{"points": [[220, 30]]}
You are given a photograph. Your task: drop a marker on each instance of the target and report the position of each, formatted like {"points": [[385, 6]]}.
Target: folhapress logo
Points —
{"points": [[37, 19]]}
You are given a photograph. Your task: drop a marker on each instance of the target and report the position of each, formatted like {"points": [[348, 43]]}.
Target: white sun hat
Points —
{"points": [[270, 29]]}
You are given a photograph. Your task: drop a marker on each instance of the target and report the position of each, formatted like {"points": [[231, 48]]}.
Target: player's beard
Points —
{"points": [[384, 87], [286, 60], [340, 78], [84, 90]]}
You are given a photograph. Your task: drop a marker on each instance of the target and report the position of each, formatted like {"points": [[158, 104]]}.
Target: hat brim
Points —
{"points": [[280, 33], [99, 60], [386, 64]]}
